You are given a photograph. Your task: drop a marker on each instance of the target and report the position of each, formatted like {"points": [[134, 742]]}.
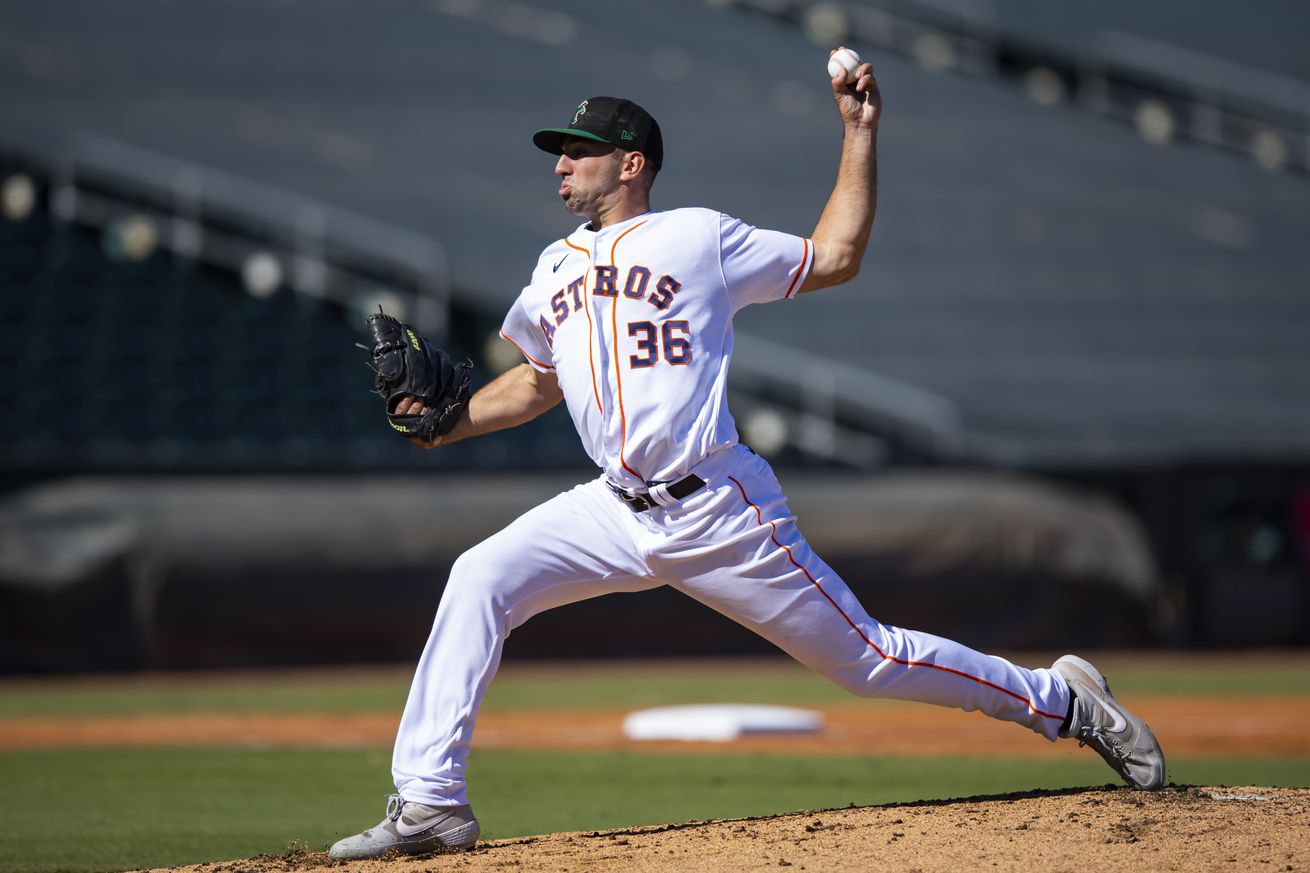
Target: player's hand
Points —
{"points": [[411, 405], [860, 102]]}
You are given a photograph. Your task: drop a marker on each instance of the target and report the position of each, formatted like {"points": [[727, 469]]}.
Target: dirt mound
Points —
{"points": [[1107, 829]]}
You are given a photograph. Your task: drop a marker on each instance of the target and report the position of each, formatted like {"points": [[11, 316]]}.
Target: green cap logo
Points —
{"points": [[627, 134], [582, 110]]}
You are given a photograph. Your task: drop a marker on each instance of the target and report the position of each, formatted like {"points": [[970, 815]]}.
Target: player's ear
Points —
{"points": [[633, 164]]}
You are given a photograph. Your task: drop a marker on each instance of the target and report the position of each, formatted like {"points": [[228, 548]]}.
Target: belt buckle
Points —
{"points": [[635, 502]]}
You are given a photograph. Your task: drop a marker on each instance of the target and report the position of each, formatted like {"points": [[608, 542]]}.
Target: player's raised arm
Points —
{"points": [[516, 396], [842, 233]]}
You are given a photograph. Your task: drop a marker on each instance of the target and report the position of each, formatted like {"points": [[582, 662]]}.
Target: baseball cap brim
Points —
{"points": [[551, 139]]}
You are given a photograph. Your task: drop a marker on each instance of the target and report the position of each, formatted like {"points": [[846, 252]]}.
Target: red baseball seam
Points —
{"points": [[774, 536]]}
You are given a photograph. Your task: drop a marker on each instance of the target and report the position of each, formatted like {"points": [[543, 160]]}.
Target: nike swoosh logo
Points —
{"points": [[407, 830], [1119, 721], [561, 260]]}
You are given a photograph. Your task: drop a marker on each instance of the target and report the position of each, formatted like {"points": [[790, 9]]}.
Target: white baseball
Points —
{"points": [[844, 59]]}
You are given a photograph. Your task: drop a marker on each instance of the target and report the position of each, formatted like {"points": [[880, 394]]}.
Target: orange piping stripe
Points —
{"points": [[805, 256], [591, 357], [774, 535], [618, 367], [525, 354]]}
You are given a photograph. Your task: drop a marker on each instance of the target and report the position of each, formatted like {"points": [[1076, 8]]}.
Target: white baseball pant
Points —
{"points": [[734, 546]]}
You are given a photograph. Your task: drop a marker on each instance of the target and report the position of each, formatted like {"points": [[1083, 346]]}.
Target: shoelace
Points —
{"points": [[395, 806], [1103, 740]]}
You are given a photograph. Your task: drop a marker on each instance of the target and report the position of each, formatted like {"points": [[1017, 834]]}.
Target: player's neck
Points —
{"points": [[619, 212]]}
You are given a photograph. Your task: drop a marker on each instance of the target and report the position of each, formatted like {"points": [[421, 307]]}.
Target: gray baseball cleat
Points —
{"points": [[411, 829], [1100, 721]]}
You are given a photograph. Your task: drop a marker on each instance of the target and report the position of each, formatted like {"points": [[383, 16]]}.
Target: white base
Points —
{"points": [[720, 723]]}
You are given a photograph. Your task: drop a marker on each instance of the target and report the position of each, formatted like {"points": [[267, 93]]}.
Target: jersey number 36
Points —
{"points": [[670, 341]]}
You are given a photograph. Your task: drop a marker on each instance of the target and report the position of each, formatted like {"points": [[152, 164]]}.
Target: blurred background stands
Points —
{"points": [[1081, 332]]}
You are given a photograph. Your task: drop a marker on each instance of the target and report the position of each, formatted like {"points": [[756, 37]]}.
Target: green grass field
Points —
{"points": [[123, 808], [567, 686]]}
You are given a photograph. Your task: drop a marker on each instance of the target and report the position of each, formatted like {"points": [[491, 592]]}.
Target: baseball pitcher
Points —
{"points": [[628, 321]]}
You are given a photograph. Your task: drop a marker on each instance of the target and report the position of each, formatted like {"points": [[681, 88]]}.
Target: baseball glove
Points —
{"points": [[405, 363]]}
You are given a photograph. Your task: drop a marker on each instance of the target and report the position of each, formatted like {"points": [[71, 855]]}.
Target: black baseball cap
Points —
{"points": [[621, 123]]}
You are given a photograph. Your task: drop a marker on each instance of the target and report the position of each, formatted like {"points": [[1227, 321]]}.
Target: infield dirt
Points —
{"points": [[1196, 727], [1107, 830]]}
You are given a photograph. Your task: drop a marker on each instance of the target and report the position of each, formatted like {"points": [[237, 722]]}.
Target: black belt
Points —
{"points": [[640, 501]]}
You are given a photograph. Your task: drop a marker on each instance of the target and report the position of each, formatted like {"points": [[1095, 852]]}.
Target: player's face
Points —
{"points": [[589, 175]]}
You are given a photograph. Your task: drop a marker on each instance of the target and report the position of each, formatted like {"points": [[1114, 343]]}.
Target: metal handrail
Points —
{"points": [[829, 387], [1204, 72], [312, 231], [261, 203]]}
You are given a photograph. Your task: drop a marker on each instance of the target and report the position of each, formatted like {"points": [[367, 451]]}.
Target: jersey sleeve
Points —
{"points": [[527, 337], [761, 265]]}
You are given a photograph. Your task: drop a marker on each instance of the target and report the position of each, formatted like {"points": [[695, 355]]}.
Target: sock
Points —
{"points": [[1068, 719]]}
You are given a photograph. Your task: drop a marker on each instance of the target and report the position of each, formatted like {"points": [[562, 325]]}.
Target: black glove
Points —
{"points": [[405, 363]]}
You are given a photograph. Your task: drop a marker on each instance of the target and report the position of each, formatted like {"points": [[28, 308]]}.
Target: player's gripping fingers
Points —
{"points": [[867, 96], [410, 405], [864, 78]]}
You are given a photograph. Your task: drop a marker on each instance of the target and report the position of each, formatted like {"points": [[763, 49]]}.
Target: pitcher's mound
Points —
{"points": [[1106, 830]]}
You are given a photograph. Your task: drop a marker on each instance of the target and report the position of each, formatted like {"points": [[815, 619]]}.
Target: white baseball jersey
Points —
{"points": [[635, 321]]}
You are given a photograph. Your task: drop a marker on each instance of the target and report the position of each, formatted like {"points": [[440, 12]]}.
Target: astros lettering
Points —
{"points": [[568, 300]]}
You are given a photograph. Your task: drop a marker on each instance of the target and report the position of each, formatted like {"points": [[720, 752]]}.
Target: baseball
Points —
{"points": [[843, 59]]}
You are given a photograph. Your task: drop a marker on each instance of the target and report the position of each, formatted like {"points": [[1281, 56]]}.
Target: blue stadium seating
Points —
{"points": [[165, 364]]}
